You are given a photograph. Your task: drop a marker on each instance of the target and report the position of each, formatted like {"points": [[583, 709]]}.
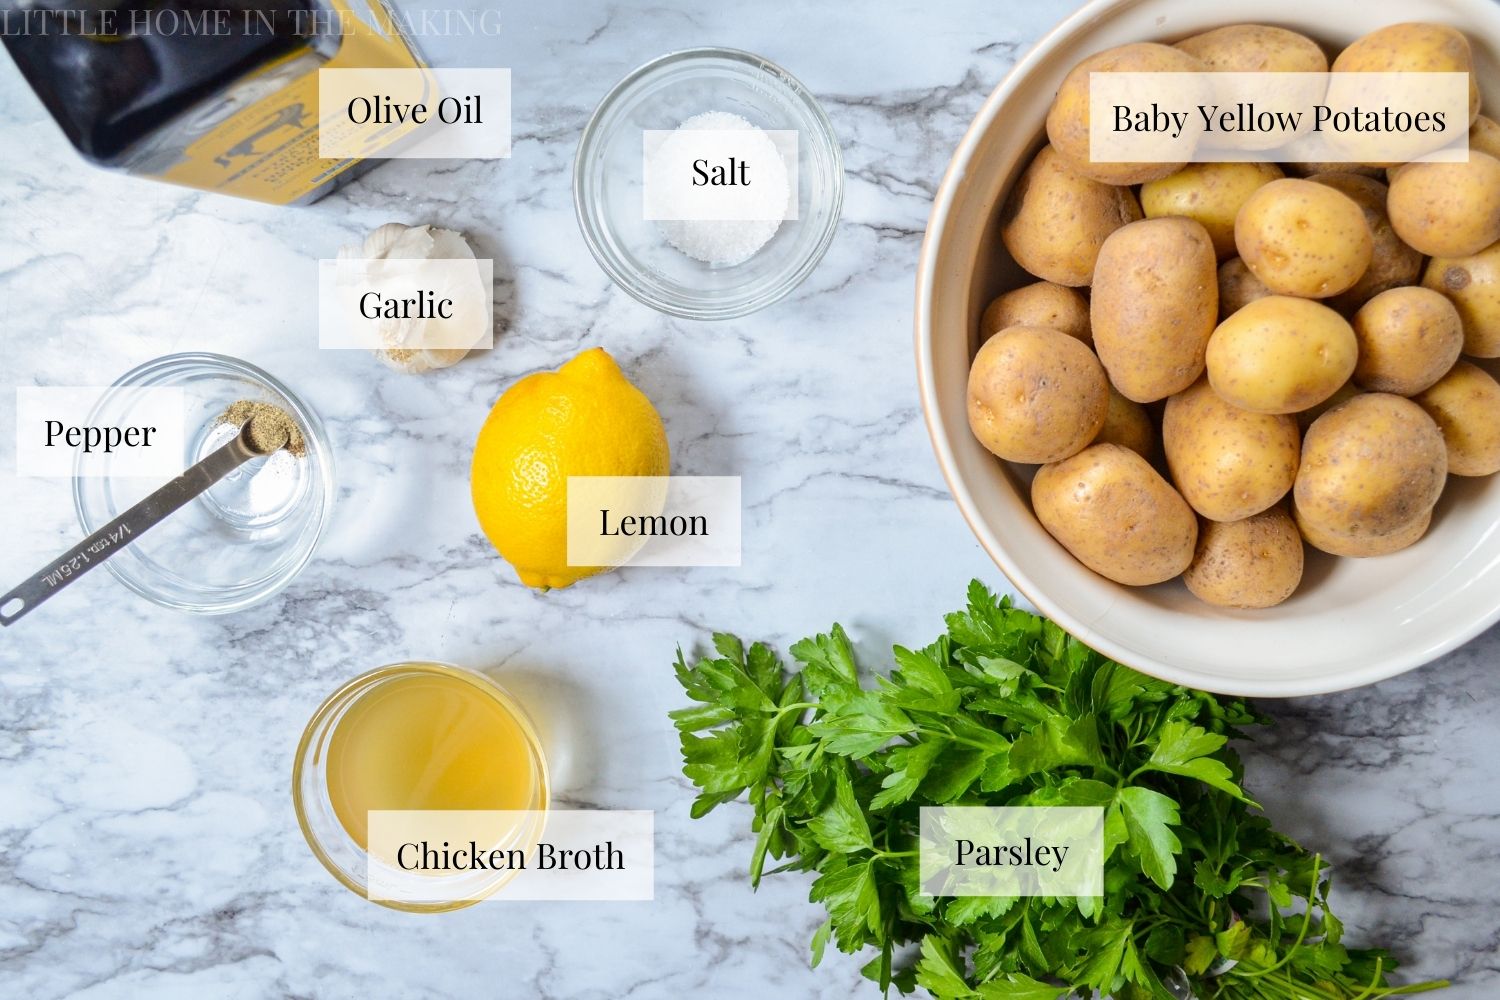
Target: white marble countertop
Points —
{"points": [[147, 841]]}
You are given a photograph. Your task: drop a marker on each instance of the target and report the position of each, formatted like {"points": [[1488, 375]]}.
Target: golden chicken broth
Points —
{"points": [[428, 741]]}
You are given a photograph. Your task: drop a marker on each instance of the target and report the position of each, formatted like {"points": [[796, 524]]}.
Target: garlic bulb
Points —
{"points": [[405, 341]]}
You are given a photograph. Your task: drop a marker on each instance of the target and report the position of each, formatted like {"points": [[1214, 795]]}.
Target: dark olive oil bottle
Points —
{"points": [[220, 95]]}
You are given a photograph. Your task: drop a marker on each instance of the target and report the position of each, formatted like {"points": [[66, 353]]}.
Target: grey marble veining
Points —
{"points": [[147, 841]]}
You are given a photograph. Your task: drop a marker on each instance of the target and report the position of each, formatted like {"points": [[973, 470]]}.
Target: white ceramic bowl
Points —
{"points": [[1352, 622]]}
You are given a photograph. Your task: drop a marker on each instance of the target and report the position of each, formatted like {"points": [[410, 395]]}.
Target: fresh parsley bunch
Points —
{"points": [[1006, 709]]}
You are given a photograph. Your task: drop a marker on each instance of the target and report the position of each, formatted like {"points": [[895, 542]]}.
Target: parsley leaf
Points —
{"points": [[1185, 749], [841, 827], [1149, 816], [852, 900]]}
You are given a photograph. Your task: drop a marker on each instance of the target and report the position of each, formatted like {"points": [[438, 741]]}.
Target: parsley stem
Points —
{"points": [[947, 734], [1302, 934], [1369, 991]]}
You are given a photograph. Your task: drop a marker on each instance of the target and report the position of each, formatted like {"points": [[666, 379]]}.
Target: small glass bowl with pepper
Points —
{"points": [[247, 536]]}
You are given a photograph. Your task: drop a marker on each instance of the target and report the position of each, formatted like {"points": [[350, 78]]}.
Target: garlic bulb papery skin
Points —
{"points": [[404, 340]]}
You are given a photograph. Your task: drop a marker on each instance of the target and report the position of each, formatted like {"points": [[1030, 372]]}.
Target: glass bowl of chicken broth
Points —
{"points": [[405, 765]]}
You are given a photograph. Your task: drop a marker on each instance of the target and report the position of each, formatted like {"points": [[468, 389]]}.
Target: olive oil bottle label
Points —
{"points": [[454, 856], [267, 147], [654, 520]]}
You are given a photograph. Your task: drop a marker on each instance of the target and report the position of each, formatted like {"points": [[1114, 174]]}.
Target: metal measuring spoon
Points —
{"points": [[123, 530]]}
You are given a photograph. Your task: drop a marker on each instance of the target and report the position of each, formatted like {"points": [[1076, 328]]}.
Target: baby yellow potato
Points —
{"points": [[1363, 546], [1281, 354], [1466, 406], [1413, 48], [1408, 339], [1259, 48], [1255, 48], [1447, 209], [1068, 118], [1399, 48], [1228, 463], [1055, 220], [1392, 262], [1154, 304], [1484, 135], [1472, 284], [1210, 193], [1036, 395], [1128, 425], [1370, 467], [1303, 238], [1238, 287], [1253, 563], [1041, 303], [1116, 515]]}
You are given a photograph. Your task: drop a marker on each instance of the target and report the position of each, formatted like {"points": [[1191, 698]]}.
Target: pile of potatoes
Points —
{"points": [[1296, 339]]}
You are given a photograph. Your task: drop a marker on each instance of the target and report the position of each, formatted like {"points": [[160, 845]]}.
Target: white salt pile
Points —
{"points": [[726, 242]]}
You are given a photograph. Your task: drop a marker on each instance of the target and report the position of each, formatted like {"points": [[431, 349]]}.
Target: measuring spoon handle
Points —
{"points": [[124, 529]]}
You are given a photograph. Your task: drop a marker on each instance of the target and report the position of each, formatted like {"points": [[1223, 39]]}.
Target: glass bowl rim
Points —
{"points": [[314, 432], [627, 278]]}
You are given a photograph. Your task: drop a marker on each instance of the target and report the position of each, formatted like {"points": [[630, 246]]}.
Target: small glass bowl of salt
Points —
{"points": [[706, 269]]}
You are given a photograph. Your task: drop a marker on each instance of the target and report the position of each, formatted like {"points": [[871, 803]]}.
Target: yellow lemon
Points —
{"points": [[585, 419]]}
